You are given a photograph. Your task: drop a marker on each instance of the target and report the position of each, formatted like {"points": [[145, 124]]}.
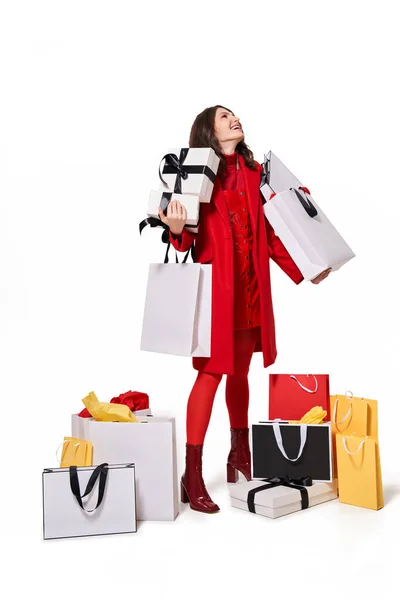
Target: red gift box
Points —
{"points": [[134, 400], [292, 396]]}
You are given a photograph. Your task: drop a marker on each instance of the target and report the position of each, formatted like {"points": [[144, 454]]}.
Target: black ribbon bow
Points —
{"points": [[175, 165], [300, 484]]}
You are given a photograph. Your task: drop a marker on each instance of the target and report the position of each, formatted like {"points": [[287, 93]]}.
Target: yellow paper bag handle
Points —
{"points": [[361, 444]]}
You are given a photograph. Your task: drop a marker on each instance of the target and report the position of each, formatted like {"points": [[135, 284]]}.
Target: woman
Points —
{"points": [[235, 237]]}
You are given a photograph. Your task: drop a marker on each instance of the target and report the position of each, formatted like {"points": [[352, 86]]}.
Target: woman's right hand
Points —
{"points": [[176, 217]]}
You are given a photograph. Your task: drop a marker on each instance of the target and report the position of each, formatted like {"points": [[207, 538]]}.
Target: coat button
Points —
{"points": [[247, 258], [249, 322], [242, 193], [248, 306]]}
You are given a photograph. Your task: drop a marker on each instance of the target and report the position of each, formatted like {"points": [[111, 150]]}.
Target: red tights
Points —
{"points": [[201, 398]]}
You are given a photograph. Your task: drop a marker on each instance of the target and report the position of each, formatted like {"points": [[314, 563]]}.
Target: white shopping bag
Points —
{"points": [[177, 313], [306, 232], [151, 446], [278, 177], [109, 505]]}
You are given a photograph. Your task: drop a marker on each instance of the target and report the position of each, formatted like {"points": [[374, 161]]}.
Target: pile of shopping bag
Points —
{"points": [[314, 447], [117, 467]]}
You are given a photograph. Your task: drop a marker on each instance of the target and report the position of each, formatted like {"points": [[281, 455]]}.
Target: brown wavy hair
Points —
{"points": [[202, 135]]}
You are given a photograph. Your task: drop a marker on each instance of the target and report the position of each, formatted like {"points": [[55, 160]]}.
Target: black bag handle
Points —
{"points": [[100, 472], [191, 251], [306, 203]]}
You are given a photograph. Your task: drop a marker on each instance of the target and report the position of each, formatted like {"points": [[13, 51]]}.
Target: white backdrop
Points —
{"points": [[93, 93]]}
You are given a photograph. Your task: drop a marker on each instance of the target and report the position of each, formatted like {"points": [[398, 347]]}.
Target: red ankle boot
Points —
{"points": [[239, 458], [193, 489]]}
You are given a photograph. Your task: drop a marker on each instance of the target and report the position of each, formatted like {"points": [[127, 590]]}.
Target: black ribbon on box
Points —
{"points": [[175, 165], [300, 484]]}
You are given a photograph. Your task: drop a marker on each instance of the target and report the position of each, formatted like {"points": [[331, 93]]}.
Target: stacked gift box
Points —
{"points": [[187, 175], [314, 448]]}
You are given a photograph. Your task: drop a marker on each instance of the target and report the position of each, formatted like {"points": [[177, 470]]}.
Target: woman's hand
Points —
{"points": [[176, 217], [321, 276]]}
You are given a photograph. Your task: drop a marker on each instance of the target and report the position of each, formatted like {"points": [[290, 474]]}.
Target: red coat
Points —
{"points": [[214, 245]]}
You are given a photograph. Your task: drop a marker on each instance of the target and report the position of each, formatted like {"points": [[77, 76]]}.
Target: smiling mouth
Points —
{"points": [[236, 127]]}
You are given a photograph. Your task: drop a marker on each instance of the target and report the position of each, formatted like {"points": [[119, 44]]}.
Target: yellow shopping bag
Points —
{"points": [[352, 416], [359, 471], [76, 452]]}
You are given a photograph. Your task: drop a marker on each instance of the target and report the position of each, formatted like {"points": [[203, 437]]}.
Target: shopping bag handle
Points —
{"points": [[361, 444], [72, 455], [303, 387], [279, 441], [306, 203], [100, 472], [191, 251]]}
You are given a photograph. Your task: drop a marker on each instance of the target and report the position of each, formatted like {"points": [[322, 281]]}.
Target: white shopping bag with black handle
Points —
{"points": [[177, 312], [306, 232], [84, 501]]}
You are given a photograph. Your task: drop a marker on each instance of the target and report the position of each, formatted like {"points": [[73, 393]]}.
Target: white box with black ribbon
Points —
{"points": [[278, 497], [283, 449], [159, 199], [189, 171]]}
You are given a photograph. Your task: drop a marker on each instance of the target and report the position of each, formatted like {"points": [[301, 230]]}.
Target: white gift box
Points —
{"points": [[280, 500], [305, 231], [63, 517], [200, 165], [177, 312], [150, 445], [161, 199]]}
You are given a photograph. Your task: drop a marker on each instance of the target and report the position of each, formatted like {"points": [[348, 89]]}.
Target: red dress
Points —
{"points": [[246, 291]]}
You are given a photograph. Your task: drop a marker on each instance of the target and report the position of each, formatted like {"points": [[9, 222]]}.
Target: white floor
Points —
{"points": [[327, 551]]}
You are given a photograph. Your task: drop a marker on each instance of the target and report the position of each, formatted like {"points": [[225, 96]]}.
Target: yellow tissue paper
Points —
{"points": [[107, 411], [315, 416]]}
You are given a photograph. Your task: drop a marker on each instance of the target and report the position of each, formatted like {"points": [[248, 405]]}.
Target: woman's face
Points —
{"points": [[227, 126]]}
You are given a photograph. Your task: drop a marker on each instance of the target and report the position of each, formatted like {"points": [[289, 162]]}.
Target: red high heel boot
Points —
{"points": [[193, 489], [239, 458]]}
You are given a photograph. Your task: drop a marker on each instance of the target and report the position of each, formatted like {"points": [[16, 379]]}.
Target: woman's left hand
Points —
{"points": [[321, 276]]}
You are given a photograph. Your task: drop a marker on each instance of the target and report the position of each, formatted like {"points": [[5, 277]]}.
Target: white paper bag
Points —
{"points": [[63, 517], [177, 313], [312, 241], [150, 445], [305, 231], [199, 164], [279, 177]]}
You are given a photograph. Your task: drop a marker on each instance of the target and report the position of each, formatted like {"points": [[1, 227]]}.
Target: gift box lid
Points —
{"points": [[199, 156], [279, 496]]}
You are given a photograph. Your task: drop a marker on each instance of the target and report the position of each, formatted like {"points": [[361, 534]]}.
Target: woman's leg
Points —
{"points": [[199, 409], [237, 401], [237, 386], [200, 405]]}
